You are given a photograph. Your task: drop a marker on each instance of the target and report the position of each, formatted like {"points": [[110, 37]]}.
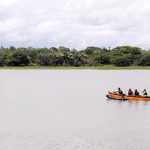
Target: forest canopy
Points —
{"points": [[63, 56]]}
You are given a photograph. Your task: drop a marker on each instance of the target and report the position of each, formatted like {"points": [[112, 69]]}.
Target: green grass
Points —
{"points": [[105, 67]]}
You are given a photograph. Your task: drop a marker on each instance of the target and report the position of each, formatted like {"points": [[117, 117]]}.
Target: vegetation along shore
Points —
{"points": [[122, 57], [104, 67]]}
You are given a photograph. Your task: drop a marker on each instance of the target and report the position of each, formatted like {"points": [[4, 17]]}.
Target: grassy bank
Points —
{"points": [[105, 67]]}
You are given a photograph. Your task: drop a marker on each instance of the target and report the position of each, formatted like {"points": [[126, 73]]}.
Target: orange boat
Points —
{"points": [[117, 96]]}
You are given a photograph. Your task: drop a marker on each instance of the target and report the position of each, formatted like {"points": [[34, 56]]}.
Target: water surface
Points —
{"points": [[68, 110]]}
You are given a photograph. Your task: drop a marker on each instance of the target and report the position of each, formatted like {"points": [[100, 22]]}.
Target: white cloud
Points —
{"points": [[11, 24], [7, 2], [72, 23]]}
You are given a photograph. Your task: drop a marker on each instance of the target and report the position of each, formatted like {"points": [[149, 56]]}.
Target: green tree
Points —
{"points": [[127, 50], [102, 58], [145, 60], [12, 48], [91, 49], [121, 61], [2, 59], [18, 58], [77, 58], [45, 60], [133, 52]]}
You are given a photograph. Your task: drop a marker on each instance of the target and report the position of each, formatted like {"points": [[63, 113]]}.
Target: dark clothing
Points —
{"points": [[130, 92], [136, 93], [120, 92]]}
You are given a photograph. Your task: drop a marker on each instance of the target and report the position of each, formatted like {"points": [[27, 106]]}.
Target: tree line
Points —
{"points": [[62, 56]]}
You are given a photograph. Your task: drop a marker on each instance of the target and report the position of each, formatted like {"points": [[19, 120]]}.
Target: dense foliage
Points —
{"points": [[62, 56]]}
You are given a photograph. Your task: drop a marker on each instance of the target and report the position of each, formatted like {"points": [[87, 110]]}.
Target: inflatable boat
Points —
{"points": [[117, 96]]}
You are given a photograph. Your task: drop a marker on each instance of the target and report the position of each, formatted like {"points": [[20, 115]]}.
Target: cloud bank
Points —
{"points": [[74, 24]]}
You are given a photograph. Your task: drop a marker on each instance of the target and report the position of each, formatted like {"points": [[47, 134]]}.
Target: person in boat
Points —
{"points": [[130, 92], [136, 93], [120, 91], [144, 93]]}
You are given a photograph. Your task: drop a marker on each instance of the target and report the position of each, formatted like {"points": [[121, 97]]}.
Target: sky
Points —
{"points": [[75, 24]]}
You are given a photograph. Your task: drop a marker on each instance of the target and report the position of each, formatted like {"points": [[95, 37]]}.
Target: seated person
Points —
{"points": [[144, 92], [120, 91], [130, 92], [136, 93]]}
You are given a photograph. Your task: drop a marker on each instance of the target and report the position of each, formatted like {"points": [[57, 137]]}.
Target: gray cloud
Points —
{"points": [[75, 24]]}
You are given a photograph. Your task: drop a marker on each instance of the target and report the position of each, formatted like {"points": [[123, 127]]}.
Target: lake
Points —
{"points": [[68, 110]]}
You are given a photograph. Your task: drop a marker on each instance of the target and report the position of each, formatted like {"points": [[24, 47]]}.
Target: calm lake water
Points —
{"points": [[68, 110]]}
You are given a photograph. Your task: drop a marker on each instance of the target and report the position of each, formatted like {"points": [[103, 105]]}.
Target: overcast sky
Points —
{"points": [[75, 23]]}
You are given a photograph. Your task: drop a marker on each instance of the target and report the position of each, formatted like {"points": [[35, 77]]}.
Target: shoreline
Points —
{"points": [[105, 67]]}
